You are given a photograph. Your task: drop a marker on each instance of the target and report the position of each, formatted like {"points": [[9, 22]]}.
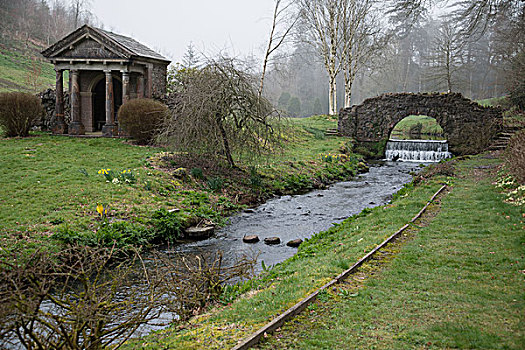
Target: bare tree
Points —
{"points": [[446, 56], [75, 299], [282, 25], [217, 112], [322, 24], [79, 10], [360, 35], [33, 76]]}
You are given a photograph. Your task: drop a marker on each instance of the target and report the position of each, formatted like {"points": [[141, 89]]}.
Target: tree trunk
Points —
{"points": [[332, 96], [226, 144]]}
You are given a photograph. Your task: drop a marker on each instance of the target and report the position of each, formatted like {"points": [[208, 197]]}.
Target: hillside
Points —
{"points": [[22, 68]]}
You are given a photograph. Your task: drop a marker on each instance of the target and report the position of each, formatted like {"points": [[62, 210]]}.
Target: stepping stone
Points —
{"points": [[294, 243], [250, 239], [272, 240], [199, 232]]}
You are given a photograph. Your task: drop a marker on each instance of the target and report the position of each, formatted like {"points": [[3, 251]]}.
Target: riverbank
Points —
{"points": [[60, 190], [457, 283]]}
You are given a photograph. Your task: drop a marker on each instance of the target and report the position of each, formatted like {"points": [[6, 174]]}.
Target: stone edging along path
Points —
{"points": [[277, 322]]}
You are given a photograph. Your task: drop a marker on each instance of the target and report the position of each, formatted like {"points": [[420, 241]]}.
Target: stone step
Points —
{"points": [[331, 132], [199, 232], [496, 148]]}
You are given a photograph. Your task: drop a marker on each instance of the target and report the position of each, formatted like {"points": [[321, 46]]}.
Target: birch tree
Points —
{"points": [[323, 23], [360, 34]]}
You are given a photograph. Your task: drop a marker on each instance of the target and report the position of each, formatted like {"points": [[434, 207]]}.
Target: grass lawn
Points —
{"points": [[49, 181], [458, 283], [51, 184], [429, 126]]}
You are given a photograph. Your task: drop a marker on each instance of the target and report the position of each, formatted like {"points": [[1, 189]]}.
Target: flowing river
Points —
{"points": [[293, 217], [301, 216]]}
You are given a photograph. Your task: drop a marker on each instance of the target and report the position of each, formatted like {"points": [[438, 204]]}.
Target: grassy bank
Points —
{"points": [[51, 186], [22, 68], [318, 260], [457, 283]]}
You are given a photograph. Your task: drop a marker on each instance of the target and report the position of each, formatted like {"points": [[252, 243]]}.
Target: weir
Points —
{"points": [[417, 150]]}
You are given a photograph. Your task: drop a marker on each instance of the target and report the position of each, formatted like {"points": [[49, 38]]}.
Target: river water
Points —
{"points": [[301, 216], [293, 217]]}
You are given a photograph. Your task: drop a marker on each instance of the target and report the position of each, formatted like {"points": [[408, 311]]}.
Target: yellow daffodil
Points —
{"points": [[100, 210]]}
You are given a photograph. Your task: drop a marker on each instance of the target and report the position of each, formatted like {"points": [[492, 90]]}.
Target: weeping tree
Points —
{"points": [[217, 112]]}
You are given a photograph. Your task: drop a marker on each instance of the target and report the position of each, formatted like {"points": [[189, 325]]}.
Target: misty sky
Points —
{"points": [[239, 26]]}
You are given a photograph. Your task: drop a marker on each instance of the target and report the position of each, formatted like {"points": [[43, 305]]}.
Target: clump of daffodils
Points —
{"points": [[334, 158], [517, 196], [115, 177], [514, 192]]}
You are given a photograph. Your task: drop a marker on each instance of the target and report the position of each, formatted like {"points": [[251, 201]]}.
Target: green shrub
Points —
{"points": [[415, 129], [140, 118], [255, 178], [18, 112], [215, 183], [167, 225], [197, 173], [515, 156], [120, 234]]}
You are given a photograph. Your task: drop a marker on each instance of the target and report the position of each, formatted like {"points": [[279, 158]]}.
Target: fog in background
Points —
{"points": [[430, 49], [239, 27]]}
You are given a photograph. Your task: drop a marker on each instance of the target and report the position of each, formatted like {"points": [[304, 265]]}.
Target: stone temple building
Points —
{"points": [[105, 70]]}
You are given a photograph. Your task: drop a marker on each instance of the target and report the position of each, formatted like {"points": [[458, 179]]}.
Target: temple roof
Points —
{"points": [[104, 44]]}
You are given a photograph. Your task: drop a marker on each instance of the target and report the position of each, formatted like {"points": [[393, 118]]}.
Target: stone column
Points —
{"points": [[125, 87], [109, 129], [149, 88], [76, 127], [59, 125], [140, 86]]}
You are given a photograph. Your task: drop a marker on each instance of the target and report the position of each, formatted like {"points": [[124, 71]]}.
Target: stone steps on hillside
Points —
{"points": [[331, 132], [502, 139]]}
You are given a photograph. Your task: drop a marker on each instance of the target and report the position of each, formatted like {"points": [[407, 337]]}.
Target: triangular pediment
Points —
{"points": [[87, 43], [89, 48]]}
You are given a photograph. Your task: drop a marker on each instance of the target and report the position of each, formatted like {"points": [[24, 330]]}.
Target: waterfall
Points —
{"points": [[417, 150]]}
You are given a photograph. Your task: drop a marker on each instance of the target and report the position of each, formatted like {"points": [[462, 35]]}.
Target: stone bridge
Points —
{"points": [[468, 126]]}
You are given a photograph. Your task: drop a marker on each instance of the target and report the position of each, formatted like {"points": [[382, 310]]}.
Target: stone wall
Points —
{"points": [[468, 126], [159, 78], [48, 99]]}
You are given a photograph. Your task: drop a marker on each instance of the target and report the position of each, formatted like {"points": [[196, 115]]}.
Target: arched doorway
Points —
{"points": [[99, 101]]}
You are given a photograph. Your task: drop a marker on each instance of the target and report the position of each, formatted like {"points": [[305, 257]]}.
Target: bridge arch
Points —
{"points": [[468, 126]]}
